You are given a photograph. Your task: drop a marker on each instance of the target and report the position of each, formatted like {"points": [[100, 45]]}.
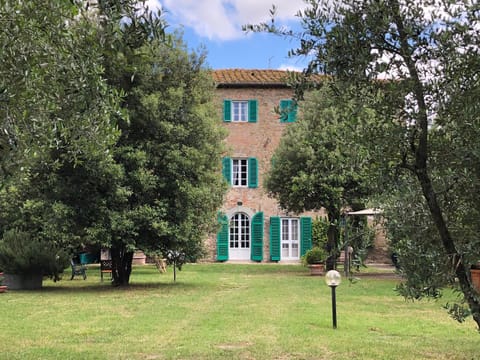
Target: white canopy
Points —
{"points": [[365, 212]]}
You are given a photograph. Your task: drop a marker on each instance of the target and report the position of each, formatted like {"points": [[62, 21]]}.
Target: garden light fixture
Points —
{"points": [[333, 279]]}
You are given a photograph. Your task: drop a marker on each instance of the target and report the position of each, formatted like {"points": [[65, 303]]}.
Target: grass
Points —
{"points": [[218, 311]]}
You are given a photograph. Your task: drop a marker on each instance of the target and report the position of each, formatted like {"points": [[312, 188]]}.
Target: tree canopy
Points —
{"points": [[169, 148], [415, 63], [151, 180], [52, 91], [319, 164]]}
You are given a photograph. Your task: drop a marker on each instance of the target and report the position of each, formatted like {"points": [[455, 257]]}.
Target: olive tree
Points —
{"points": [[52, 92], [416, 63], [56, 112]]}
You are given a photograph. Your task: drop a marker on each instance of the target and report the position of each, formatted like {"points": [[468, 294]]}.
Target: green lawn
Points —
{"points": [[225, 311]]}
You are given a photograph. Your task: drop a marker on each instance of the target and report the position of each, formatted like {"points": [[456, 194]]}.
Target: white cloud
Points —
{"points": [[223, 19], [153, 4], [290, 67]]}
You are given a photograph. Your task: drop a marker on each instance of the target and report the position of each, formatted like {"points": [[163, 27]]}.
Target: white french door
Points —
{"points": [[239, 237], [290, 239]]}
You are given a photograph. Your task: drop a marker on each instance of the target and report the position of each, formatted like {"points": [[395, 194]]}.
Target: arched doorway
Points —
{"points": [[239, 237]]}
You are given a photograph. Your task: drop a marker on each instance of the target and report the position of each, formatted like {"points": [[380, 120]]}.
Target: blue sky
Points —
{"points": [[217, 25]]}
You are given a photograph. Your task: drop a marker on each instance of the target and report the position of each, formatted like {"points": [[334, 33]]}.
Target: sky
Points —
{"points": [[217, 26]]}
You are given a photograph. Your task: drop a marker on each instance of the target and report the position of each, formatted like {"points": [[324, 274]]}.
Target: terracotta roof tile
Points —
{"points": [[245, 77], [248, 76]]}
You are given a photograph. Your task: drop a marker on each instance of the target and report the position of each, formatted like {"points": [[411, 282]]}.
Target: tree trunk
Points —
{"points": [[419, 146], [460, 268], [420, 168], [121, 265], [332, 238]]}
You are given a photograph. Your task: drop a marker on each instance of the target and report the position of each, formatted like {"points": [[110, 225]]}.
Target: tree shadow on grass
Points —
{"points": [[105, 287]]}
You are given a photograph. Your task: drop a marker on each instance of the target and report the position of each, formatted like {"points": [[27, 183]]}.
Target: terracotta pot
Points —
{"points": [[317, 269], [3, 288], [475, 273]]}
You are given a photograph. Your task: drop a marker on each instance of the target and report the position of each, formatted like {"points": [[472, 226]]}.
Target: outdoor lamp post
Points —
{"points": [[333, 279]]}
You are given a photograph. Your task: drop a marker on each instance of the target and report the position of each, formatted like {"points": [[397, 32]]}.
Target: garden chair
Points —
{"points": [[78, 269], [105, 263], [105, 268]]}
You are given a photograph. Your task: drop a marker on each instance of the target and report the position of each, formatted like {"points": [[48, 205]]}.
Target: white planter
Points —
{"points": [[139, 258]]}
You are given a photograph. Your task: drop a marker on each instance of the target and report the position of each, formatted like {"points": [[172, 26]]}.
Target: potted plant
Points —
{"points": [[26, 260], [315, 260]]}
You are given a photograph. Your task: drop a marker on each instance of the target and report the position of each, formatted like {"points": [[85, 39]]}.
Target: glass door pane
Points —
{"points": [[290, 239]]}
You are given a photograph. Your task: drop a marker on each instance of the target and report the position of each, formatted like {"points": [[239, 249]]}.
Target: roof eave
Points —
{"points": [[251, 85]]}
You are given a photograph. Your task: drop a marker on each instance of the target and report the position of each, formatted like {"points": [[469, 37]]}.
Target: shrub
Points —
{"points": [[23, 255], [319, 231], [315, 255]]}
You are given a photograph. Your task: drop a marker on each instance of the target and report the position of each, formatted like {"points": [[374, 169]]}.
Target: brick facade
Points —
{"points": [[258, 140]]}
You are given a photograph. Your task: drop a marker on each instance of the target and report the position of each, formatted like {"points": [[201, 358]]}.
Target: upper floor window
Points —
{"points": [[241, 172], [288, 110], [240, 111]]}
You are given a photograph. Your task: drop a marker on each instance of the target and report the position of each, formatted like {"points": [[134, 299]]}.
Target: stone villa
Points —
{"points": [[253, 227]]}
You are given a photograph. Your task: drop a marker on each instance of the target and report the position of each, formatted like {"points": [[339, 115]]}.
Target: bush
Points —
{"points": [[20, 254], [320, 231], [315, 255]]}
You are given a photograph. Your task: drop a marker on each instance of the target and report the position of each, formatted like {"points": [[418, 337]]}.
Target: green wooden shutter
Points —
{"points": [[252, 111], [305, 234], [252, 173], [222, 238], [274, 238], [288, 111], [227, 110], [292, 115], [284, 104], [227, 169], [257, 237]]}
